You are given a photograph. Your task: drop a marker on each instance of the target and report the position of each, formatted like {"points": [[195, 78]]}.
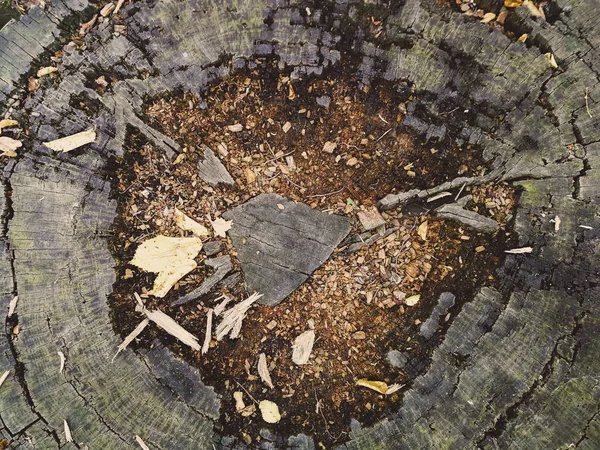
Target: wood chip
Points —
{"points": [[394, 388], [221, 226], [171, 258], [263, 370], [141, 443], [302, 347], [208, 334], [422, 230], [551, 60], [585, 227], [186, 223], [46, 71], [352, 162], [239, 401], [131, 336], [8, 123], [107, 9], [12, 305], [221, 306], [235, 128], [68, 436], [61, 355], [8, 146], [359, 335], [370, 218], [517, 251], [232, 318], [488, 17], [72, 142], [438, 196], [173, 328], [378, 386], [118, 7], [556, 223], [412, 300], [286, 127], [4, 377], [329, 147]]}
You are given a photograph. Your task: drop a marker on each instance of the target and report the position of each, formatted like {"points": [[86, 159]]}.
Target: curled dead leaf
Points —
{"points": [[46, 71], [7, 123], [8, 146], [488, 17]]}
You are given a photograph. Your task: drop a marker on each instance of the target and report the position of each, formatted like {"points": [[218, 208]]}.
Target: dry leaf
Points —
{"points": [[517, 251], [269, 411], [523, 37], [171, 258], [250, 175], [263, 370], [551, 60], [7, 123], [221, 226], [68, 436], [303, 347], [46, 71], [72, 142], [329, 147], [131, 336], [513, 3], [412, 300], [534, 10], [286, 127], [235, 128], [208, 334], [173, 328], [422, 230], [8, 146], [141, 442], [186, 223], [4, 377], [487, 18], [12, 305], [378, 386], [61, 355]]}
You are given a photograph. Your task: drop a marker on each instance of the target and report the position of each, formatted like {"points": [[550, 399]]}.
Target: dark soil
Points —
{"points": [[355, 300]]}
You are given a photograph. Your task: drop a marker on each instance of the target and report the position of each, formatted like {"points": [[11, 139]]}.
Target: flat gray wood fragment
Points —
{"points": [[470, 218], [212, 170], [279, 248], [430, 326], [222, 266]]}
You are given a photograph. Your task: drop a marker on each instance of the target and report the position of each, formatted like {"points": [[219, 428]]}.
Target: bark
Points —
{"points": [[516, 368]]}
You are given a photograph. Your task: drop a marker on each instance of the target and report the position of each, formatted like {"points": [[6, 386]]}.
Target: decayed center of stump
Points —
{"points": [[335, 149]]}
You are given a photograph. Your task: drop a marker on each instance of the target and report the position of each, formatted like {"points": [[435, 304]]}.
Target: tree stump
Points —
{"points": [[517, 366]]}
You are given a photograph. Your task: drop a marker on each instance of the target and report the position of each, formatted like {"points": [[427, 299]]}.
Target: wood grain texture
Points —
{"points": [[516, 368]]}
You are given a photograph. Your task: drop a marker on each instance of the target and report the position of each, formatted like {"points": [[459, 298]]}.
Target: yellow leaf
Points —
{"points": [[535, 12], [186, 223], [523, 38], [378, 386], [7, 123], [488, 17], [171, 258], [513, 3], [422, 230], [269, 411]]}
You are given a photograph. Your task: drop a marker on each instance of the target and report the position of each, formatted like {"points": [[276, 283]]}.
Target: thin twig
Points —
{"points": [[460, 191], [587, 107], [278, 157], [383, 135], [249, 395], [325, 195]]}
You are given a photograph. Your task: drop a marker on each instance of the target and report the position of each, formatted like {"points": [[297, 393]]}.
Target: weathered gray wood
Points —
{"points": [[529, 371], [222, 266], [212, 170], [470, 218], [280, 243]]}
